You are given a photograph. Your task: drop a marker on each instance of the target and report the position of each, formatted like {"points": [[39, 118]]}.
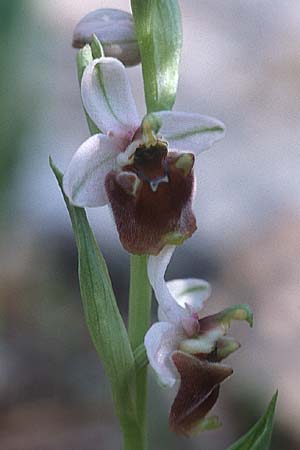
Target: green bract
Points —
{"points": [[96, 47], [259, 436], [158, 30], [104, 321]]}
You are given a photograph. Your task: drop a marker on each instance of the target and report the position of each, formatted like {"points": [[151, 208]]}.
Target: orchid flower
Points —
{"points": [[182, 346], [143, 169]]}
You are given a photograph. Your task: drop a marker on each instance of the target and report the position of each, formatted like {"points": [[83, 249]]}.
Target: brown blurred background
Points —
{"points": [[241, 64]]}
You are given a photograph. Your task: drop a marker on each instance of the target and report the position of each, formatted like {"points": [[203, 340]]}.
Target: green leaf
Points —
{"points": [[140, 357], [259, 436], [159, 34], [102, 315]]}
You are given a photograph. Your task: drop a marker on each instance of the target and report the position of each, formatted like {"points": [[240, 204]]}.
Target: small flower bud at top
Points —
{"points": [[115, 31]]}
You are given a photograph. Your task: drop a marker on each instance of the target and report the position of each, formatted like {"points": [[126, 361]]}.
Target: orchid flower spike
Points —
{"points": [[184, 347], [136, 166]]}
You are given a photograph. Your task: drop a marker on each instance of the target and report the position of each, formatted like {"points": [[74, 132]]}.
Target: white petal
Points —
{"points": [[83, 181], [190, 132], [192, 292], [108, 99], [160, 341], [168, 309]]}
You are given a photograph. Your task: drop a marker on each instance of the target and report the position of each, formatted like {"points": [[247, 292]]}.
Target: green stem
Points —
{"points": [[138, 324], [133, 437]]}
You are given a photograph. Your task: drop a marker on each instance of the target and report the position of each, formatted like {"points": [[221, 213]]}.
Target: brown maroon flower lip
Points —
{"points": [[198, 391], [158, 204]]}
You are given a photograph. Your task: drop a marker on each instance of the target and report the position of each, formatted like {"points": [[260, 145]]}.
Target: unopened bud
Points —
{"points": [[114, 29]]}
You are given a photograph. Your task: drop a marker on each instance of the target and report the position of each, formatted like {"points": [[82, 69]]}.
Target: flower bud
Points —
{"points": [[114, 29]]}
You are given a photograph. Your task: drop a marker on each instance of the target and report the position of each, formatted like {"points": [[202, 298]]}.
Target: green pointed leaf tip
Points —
{"points": [[102, 315], [159, 34], [84, 57], [96, 47], [259, 436]]}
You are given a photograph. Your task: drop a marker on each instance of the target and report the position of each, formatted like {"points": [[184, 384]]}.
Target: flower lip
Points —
{"points": [[161, 206], [199, 390]]}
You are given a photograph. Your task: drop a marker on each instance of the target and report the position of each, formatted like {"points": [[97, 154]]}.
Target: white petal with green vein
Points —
{"points": [[107, 97], [83, 181], [190, 132], [190, 291]]}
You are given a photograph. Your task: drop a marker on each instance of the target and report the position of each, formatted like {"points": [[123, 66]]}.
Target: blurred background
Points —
{"points": [[241, 64]]}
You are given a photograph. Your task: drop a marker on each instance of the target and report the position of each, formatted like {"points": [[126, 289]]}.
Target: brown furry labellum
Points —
{"points": [[151, 198], [198, 391]]}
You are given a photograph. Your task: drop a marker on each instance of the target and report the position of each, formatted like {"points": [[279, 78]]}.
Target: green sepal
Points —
{"points": [[96, 47], [84, 57], [259, 436], [102, 315], [159, 35]]}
